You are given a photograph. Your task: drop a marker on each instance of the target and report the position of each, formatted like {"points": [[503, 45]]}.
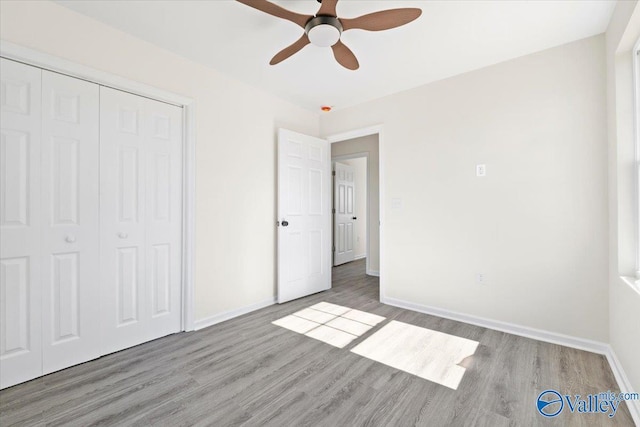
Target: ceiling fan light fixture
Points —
{"points": [[325, 28], [323, 31]]}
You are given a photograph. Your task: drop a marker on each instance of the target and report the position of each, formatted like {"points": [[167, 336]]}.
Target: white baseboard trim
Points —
{"points": [[357, 257], [537, 334], [624, 384], [374, 273], [227, 315], [511, 328]]}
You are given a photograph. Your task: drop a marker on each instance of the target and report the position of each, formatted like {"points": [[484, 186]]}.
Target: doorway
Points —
{"points": [[356, 202]]}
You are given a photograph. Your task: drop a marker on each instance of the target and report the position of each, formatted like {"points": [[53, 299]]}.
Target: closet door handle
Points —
{"points": [[123, 235], [70, 239]]}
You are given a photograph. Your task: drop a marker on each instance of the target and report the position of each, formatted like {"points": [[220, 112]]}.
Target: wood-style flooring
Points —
{"points": [[247, 371]]}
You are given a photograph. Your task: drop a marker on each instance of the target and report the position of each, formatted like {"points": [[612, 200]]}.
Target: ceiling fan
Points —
{"points": [[325, 28]]}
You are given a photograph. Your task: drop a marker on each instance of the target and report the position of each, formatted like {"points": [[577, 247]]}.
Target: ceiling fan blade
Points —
{"points": [[328, 7], [290, 50], [275, 10], [344, 56], [383, 20]]}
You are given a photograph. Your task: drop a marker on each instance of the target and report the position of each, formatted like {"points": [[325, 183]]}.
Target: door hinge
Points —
{"points": [[334, 248], [333, 173], [333, 211]]}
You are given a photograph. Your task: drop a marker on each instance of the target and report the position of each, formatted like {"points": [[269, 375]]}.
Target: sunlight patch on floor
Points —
{"points": [[330, 323], [431, 355]]}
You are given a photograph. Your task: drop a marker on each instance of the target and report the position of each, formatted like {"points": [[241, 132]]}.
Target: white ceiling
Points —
{"points": [[451, 37]]}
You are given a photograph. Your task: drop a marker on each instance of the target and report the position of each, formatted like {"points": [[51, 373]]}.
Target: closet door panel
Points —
{"points": [[20, 223], [121, 220], [140, 218], [164, 215], [70, 200]]}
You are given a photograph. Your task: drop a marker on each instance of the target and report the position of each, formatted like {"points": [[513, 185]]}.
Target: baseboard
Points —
{"points": [[227, 315], [537, 334], [357, 257], [374, 273], [624, 384], [511, 328]]}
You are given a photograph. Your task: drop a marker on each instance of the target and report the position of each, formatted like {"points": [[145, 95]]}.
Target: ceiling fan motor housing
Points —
{"points": [[323, 31]]}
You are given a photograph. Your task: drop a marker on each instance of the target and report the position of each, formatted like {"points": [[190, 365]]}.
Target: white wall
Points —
{"points": [[624, 303], [367, 144], [360, 180], [236, 126], [536, 225]]}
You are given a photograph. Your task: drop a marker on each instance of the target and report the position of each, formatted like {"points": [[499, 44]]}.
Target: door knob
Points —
{"points": [[285, 223], [355, 217], [123, 235], [70, 239]]}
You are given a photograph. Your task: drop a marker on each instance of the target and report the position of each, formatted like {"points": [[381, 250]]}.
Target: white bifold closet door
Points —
{"points": [[90, 221], [140, 220], [20, 224]]}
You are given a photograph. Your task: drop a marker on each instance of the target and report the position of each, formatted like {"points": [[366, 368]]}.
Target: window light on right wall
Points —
{"points": [[636, 74]]}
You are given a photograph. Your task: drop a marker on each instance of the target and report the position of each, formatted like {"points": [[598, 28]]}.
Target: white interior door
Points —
{"points": [[20, 223], [70, 213], [141, 182], [344, 214], [304, 216]]}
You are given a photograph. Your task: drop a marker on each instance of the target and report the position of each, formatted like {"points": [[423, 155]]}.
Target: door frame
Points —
{"points": [[357, 133], [45, 61], [366, 243]]}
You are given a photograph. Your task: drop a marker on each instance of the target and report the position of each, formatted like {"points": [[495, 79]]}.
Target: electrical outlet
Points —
{"points": [[481, 278], [481, 170]]}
